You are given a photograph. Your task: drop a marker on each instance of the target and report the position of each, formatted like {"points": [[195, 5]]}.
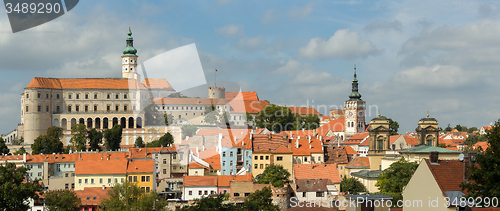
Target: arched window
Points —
{"points": [[380, 144], [89, 123], [130, 122]]}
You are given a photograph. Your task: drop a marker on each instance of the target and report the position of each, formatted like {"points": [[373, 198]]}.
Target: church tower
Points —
{"points": [[428, 131], [129, 59], [354, 111]]}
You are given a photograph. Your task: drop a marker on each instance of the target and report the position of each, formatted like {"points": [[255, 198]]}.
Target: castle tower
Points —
{"points": [[354, 111], [216, 92], [379, 135], [428, 131], [129, 59]]}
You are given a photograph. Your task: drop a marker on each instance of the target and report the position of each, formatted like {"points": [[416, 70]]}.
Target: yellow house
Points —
{"points": [[268, 149], [283, 157], [99, 173], [434, 180], [142, 173], [260, 162]]}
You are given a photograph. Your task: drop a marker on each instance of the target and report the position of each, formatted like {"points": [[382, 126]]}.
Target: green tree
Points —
{"points": [[139, 143], [169, 119], [66, 200], [211, 204], [129, 197], [309, 122], [20, 151], [276, 175], [472, 129], [351, 185], [458, 127], [95, 139], [3, 148], [393, 125], [79, 139], [261, 200], [14, 192], [177, 95], [113, 137], [188, 130], [212, 115], [396, 177], [448, 129], [165, 141], [152, 115], [442, 145], [18, 141], [48, 143], [486, 173], [276, 118]]}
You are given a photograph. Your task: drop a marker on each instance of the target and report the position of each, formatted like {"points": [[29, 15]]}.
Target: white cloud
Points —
{"points": [[343, 44], [269, 16], [302, 12], [231, 30], [251, 43]]}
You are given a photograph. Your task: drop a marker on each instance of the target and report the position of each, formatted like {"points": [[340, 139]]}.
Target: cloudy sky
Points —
{"points": [[411, 56]]}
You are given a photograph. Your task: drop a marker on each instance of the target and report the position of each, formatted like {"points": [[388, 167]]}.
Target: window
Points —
{"points": [[256, 166], [86, 108], [230, 163], [108, 108], [261, 157], [247, 194], [72, 185], [77, 96], [224, 154], [27, 95], [39, 108], [267, 157], [69, 96], [122, 180], [39, 166], [279, 158], [26, 108], [116, 180], [69, 108], [117, 107], [261, 166], [77, 108], [38, 94], [95, 96], [66, 175], [200, 192], [320, 194], [100, 181], [109, 180], [174, 156], [39, 174], [164, 171], [341, 168], [108, 96], [47, 109], [236, 194], [91, 181], [86, 96], [125, 108], [66, 186], [206, 192], [125, 96], [231, 154], [380, 144], [58, 109], [164, 161], [190, 192], [303, 194], [95, 107], [223, 163], [86, 181], [116, 96]]}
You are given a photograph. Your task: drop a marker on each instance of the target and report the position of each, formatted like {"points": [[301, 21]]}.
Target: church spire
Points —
{"points": [[355, 96], [129, 49]]}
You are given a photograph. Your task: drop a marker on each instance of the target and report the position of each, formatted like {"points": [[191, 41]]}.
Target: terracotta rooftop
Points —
{"points": [[336, 125], [304, 150], [214, 161], [189, 101], [195, 165], [337, 155], [350, 150], [51, 158], [448, 174], [199, 181], [157, 83], [305, 111], [357, 139], [141, 166], [224, 180], [92, 196], [282, 150], [242, 96], [316, 171], [268, 142], [85, 83], [312, 185], [393, 138], [482, 144], [101, 167], [359, 162], [250, 106]]}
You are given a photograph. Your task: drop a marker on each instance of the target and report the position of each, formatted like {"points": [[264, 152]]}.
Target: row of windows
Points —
{"points": [[100, 181], [77, 108], [108, 96], [261, 157], [66, 186], [192, 108], [143, 178], [39, 95], [203, 193], [256, 166]]}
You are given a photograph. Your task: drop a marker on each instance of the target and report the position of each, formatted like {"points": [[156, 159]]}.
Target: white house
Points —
{"points": [[196, 187]]}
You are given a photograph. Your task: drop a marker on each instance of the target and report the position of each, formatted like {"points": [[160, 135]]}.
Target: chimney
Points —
{"points": [[309, 146], [203, 148], [309, 139], [297, 143], [104, 187], [303, 129], [298, 137], [466, 163], [24, 157], [434, 156], [314, 132]]}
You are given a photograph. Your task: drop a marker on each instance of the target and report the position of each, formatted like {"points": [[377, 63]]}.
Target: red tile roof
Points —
{"points": [[448, 174], [359, 162], [195, 165], [157, 83], [316, 171], [224, 180], [357, 139], [85, 83], [305, 110], [304, 144], [282, 150], [214, 161], [92, 196], [101, 167], [250, 106], [189, 101], [268, 143], [141, 166], [336, 125], [242, 96], [393, 138], [199, 181], [350, 151], [482, 144]]}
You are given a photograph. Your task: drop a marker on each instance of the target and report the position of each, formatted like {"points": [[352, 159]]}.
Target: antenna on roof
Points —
{"points": [[215, 77]]}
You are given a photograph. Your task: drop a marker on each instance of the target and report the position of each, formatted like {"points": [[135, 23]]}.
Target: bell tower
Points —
{"points": [[129, 59], [428, 131], [354, 111]]}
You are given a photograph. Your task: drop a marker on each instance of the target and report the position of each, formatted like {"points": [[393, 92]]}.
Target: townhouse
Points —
{"points": [[143, 173]]}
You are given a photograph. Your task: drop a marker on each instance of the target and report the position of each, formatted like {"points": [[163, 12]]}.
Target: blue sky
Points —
{"points": [[411, 56]]}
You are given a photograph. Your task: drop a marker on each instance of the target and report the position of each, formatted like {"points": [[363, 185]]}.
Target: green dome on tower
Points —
{"points": [[130, 50]]}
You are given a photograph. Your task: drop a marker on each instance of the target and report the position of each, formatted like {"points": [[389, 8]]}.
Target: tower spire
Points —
{"points": [[354, 71], [355, 96]]}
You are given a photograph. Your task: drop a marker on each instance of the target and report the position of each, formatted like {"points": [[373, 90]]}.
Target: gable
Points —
{"points": [[422, 186]]}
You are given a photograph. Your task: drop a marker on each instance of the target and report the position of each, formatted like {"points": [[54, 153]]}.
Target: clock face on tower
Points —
{"points": [[361, 113], [350, 114]]}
